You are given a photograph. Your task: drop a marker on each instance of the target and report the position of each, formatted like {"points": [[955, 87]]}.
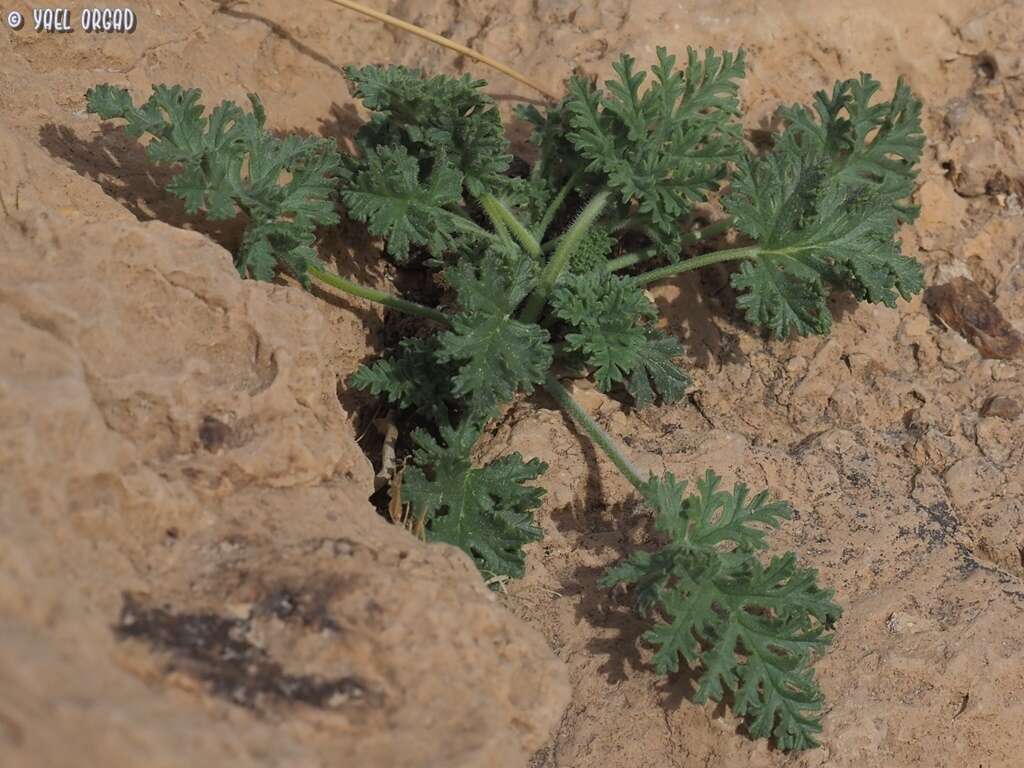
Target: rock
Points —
{"points": [[915, 326], [942, 211], [189, 566], [587, 18], [1002, 406], [954, 350], [251, 558], [981, 159], [967, 309], [973, 480], [593, 401], [997, 439], [928, 489], [901, 622]]}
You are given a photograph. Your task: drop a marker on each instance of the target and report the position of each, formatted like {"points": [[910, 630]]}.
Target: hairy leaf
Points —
{"points": [[497, 355], [592, 252], [229, 161], [434, 117], [664, 147], [412, 378], [609, 318], [485, 511], [558, 158], [878, 144], [395, 204], [752, 629], [815, 231]]}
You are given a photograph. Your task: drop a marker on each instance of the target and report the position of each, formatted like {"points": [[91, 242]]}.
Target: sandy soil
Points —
{"points": [[191, 574]]}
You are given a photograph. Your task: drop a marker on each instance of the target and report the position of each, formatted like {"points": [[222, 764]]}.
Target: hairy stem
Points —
{"points": [[629, 259], [696, 236], [470, 227], [372, 294], [613, 226], [556, 203], [500, 228], [711, 230], [731, 254], [554, 268], [504, 218], [599, 436], [405, 26]]}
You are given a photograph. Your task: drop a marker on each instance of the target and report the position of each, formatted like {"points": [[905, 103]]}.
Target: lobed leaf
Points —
{"points": [[825, 205], [557, 160], [389, 196], [485, 511], [497, 355], [877, 144], [434, 117], [752, 630], [592, 252], [608, 316], [412, 378], [663, 147], [815, 232], [229, 161]]}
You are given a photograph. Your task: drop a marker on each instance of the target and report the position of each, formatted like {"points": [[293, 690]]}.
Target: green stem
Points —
{"points": [[629, 259], [470, 227], [556, 204], [503, 217], [371, 294], [501, 230], [598, 435], [554, 268], [612, 226], [550, 245], [711, 230], [621, 223], [731, 254]]}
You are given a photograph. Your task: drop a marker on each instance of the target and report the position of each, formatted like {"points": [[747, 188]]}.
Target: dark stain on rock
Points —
{"points": [[968, 310], [213, 433], [940, 528], [308, 606], [942, 525], [216, 651]]}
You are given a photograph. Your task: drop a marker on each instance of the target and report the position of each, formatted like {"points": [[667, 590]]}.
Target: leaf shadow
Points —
{"points": [[695, 316], [120, 166], [598, 529], [230, 8], [620, 529], [705, 317], [342, 124], [619, 629]]}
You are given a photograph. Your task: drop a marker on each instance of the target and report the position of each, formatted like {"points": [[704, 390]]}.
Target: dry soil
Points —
{"points": [[191, 572]]}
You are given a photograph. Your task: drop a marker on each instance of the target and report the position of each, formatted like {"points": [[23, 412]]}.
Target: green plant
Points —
{"points": [[230, 163], [723, 604], [535, 286]]}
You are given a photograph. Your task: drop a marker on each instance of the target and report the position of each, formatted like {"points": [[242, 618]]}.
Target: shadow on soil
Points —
{"points": [[613, 533], [120, 166]]}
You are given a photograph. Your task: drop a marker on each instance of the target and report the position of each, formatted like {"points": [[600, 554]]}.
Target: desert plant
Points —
{"points": [[536, 286]]}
